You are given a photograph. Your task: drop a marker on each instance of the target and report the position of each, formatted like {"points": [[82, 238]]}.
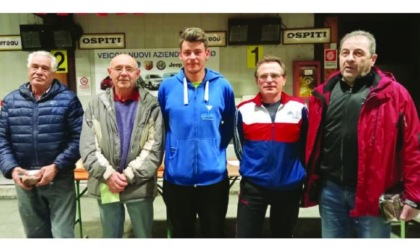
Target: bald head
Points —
{"points": [[124, 73], [127, 59]]}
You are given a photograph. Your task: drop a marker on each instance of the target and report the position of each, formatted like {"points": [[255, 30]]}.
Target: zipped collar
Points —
{"points": [[283, 99]]}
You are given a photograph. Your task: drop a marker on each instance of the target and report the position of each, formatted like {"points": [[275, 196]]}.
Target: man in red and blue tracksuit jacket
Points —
{"points": [[271, 154]]}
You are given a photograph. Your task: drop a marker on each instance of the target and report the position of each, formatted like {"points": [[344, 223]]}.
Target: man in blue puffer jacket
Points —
{"points": [[40, 125]]}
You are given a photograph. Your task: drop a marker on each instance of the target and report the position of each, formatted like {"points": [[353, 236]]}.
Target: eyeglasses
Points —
{"points": [[273, 76], [120, 69]]}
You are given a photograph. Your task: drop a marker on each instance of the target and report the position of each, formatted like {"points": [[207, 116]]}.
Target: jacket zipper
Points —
{"points": [[197, 118], [369, 97], [132, 139], [324, 106], [35, 131], [342, 137]]}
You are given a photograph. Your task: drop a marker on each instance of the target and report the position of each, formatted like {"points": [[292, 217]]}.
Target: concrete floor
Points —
{"points": [[11, 226], [308, 225]]}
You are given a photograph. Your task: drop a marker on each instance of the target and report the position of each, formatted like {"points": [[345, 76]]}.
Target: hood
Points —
{"points": [[209, 77]]}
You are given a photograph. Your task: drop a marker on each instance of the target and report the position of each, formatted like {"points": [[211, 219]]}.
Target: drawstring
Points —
{"points": [[185, 92], [206, 92]]}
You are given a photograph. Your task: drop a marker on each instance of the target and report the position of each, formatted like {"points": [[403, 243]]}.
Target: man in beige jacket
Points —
{"points": [[121, 147]]}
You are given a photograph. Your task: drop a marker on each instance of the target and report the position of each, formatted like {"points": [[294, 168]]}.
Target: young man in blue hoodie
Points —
{"points": [[198, 108]]}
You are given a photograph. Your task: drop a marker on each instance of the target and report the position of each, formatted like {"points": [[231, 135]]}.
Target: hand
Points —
{"points": [[17, 172], [117, 182], [47, 174], [408, 213]]}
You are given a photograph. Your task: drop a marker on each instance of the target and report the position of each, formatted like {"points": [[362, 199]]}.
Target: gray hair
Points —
{"points": [[368, 35], [43, 53]]}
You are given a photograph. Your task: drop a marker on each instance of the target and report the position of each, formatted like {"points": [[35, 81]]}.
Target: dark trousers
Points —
{"points": [[252, 207], [184, 203]]}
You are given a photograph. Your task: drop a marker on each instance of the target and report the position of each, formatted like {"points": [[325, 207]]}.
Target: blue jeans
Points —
{"points": [[113, 218], [48, 211], [335, 205]]}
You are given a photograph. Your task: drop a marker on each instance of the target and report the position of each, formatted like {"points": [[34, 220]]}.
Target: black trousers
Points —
{"points": [[184, 203], [252, 206]]}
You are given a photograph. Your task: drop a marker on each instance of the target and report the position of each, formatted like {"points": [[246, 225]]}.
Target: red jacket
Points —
{"points": [[381, 164]]}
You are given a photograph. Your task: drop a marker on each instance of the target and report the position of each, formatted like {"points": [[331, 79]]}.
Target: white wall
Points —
{"points": [[158, 31], [13, 63]]}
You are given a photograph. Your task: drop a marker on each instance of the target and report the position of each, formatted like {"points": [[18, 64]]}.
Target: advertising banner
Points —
{"points": [[154, 64]]}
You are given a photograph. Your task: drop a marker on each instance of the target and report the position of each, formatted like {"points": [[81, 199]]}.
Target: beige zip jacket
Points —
{"points": [[100, 145]]}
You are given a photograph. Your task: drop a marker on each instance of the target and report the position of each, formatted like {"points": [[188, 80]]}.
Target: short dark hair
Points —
{"points": [[193, 34]]}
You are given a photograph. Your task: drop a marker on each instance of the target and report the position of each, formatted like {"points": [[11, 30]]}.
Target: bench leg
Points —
{"points": [[402, 229], [78, 208]]}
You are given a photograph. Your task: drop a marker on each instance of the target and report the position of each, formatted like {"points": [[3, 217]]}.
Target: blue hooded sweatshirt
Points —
{"points": [[199, 127]]}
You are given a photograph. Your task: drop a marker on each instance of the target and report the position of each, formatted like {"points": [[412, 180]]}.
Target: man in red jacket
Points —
{"points": [[363, 139]]}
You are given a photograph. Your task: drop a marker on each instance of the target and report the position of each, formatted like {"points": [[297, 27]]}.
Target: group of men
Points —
{"points": [[358, 137]]}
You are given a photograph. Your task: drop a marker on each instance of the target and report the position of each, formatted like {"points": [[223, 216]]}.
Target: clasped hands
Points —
{"points": [[117, 182]]}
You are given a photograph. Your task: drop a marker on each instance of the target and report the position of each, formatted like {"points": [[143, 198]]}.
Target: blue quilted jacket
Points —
{"points": [[38, 133]]}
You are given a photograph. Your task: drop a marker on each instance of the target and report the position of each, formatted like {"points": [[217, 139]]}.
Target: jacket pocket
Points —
{"points": [[181, 159], [192, 158]]}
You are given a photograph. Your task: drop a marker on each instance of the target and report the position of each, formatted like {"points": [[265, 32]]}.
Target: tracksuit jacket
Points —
{"points": [[100, 145], [388, 142], [199, 126], [271, 154], [36, 133]]}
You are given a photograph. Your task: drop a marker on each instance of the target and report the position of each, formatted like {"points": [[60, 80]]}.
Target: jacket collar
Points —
{"points": [[283, 99]]}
